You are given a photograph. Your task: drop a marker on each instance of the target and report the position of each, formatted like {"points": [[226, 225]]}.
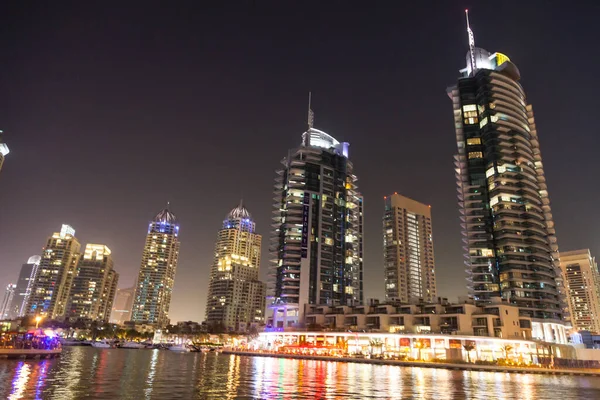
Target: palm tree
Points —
{"points": [[506, 348], [469, 347], [375, 343], [252, 333]]}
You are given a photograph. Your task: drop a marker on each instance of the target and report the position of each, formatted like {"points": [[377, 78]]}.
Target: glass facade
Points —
{"points": [[508, 230], [236, 298], [53, 278], [157, 272], [316, 244], [409, 264]]}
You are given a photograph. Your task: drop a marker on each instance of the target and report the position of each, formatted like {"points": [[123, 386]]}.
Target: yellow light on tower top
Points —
{"points": [[501, 59]]}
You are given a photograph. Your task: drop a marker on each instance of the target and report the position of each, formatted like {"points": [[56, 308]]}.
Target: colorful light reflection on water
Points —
{"points": [[152, 374]]}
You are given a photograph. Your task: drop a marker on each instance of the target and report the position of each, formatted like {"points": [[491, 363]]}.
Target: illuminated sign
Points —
{"points": [[305, 211]]}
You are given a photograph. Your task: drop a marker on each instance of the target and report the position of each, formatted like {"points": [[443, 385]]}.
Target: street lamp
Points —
{"points": [[37, 321]]}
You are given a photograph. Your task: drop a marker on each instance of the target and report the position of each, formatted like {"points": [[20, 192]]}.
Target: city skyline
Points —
{"points": [[355, 115]]}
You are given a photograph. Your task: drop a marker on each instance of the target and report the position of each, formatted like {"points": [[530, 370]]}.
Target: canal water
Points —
{"points": [[86, 372]]}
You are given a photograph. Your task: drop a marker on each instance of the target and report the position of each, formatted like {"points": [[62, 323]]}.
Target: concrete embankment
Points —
{"points": [[424, 364]]}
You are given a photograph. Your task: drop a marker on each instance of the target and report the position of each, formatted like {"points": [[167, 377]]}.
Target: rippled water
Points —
{"points": [[153, 374]]}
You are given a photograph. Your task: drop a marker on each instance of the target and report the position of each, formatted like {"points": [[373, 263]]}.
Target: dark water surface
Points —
{"points": [[86, 372]]}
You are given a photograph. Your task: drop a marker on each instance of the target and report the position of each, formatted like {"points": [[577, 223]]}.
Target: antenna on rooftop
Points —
{"points": [[471, 43], [311, 114]]}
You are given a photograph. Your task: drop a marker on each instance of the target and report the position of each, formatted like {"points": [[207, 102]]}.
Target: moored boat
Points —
{"points": [[133, 345], [104, 344], [32, 344], [75, 342], [180, 348]]}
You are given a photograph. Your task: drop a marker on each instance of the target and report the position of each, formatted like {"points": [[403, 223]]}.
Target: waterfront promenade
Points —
{"points": [[426, 364]]}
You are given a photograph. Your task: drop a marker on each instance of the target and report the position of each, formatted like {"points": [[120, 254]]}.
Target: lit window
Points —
{"points": [[475, 154], [493, 118], [489, 172], [487, 253], [483, 122], [470, 117], [492, 106], [472, 141], [470, 107]]}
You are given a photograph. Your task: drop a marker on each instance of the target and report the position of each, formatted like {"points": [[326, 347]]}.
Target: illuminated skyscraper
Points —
{"points": [[121, 311], [94, 285], [508, 229], [3, 150], [408, 250], [236, 298], [583, 284], [317, 240], [22, 290], [5, 306], [157, 272], [53, 278]]}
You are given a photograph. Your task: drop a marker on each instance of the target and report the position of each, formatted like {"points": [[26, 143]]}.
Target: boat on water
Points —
{"points": [[36, 343], [104, 344], [182, 348], [75, 342], [132, 345]]}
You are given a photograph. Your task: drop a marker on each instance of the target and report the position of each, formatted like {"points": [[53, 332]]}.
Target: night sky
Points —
{"points": [[112, 110]]}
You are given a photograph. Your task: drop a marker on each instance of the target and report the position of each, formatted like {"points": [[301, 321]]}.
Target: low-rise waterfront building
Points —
{"points": [[497, 319], [421, 347]]}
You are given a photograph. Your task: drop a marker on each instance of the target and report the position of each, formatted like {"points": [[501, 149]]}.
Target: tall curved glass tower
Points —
{"points": [[508, 231], [157, 272]]}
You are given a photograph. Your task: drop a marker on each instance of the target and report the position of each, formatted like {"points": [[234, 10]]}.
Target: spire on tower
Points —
{"points": [[471, 43], [311, 114]]}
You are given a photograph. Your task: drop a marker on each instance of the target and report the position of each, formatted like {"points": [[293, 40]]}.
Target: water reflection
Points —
{"points": [[19, 382], [41, 379], [138, 374], [151, 372]]}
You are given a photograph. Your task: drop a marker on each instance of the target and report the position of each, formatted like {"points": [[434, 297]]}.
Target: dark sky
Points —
{"points": [[112, 110]]}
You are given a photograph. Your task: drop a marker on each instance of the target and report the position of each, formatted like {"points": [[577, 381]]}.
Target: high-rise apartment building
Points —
{"points": [[7, 300], [50, 288], [583, 288], [3, 150], [94, 285], [509, 235], [236, 297], [121, 310], [157, 272], [317, 241], [408, 250], [23, 286]]}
